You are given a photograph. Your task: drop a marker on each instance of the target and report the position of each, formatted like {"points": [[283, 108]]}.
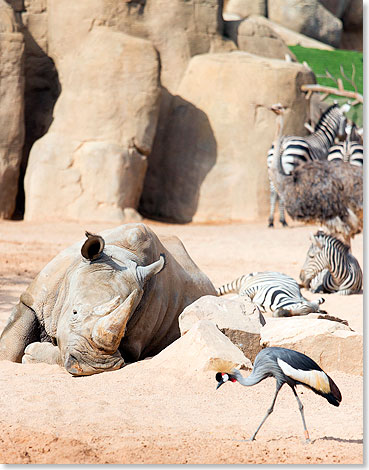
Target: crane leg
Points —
{"points": [[270, 410], [301, 408]]}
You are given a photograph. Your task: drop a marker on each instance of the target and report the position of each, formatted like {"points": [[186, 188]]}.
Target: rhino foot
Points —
{"points": [[41, 352]]}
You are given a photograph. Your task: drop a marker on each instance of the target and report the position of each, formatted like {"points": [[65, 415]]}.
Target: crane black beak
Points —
{"points": [[219, 384]]}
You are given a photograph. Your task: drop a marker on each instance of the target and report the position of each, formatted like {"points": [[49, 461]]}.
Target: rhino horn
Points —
{"points": [[144, 273], [92, 247], [109, 330]]}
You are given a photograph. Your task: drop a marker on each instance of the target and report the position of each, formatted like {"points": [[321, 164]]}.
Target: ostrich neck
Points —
{"points": [[276, 166]]}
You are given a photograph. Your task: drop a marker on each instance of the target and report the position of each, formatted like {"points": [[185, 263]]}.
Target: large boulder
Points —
{"points": [[308, 17], [332, 344], [92, 162], [292, 38], [42, 86], [189, 26], [202, 348], [213, 166], [254, 35], [238, 319], [12, 108]]}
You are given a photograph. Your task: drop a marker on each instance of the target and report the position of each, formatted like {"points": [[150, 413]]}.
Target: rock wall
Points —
{"points": [[11, 110], [213, 166], [91, 164], [192, 149]]}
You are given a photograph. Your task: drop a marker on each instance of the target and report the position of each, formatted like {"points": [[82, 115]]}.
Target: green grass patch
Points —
{"points": [[321, 60]]}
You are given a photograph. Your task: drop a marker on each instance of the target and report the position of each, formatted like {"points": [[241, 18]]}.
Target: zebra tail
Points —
{"points": [[231, 287]]}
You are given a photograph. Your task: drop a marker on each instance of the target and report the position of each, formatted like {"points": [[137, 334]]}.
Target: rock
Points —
{"points": [[202, 348], [238, 319], [12, 108], [254, 35], [292, 38], [333, 345], [245, 8], [213, 166], [353, 15], [336, 7], [188, 26], [92, 162], [42, 86], [308, 17]]}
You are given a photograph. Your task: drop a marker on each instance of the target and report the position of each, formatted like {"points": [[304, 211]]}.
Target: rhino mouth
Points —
{"points": [[77, 364]]}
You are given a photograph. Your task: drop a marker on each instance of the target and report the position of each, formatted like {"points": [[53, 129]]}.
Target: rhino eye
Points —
{"points": [[74, 312]]}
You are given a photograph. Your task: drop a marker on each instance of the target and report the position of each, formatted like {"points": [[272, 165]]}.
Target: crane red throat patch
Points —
{"points": [[233, 380]]}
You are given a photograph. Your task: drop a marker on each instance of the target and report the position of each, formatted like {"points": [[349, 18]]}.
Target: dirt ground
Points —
{"points": [[140, 415]]}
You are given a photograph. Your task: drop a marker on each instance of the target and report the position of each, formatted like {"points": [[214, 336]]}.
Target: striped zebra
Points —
{"points": [[295, 150], [350, 151], [272, 291], [330, 267]]}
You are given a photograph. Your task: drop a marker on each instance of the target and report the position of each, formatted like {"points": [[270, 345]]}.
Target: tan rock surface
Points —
{"points": [[257, 37], [332, 344], [92, 162], [213, 167], [202, 348], [238, 319], [12, 108], [309, 18], [245, 8], [292, 38]]}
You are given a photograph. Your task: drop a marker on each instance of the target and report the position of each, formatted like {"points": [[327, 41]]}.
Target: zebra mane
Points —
{"points": [[324, 115], [337, 243]]}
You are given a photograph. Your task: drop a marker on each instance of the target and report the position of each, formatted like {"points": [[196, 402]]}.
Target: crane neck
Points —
{"points": [[254, 378]]}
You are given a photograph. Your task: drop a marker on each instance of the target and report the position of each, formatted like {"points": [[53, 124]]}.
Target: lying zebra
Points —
{"points": [[330, 267], [274, 291]]}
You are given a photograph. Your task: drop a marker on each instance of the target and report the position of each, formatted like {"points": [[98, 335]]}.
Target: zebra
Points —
{"points": [[330, 267], [295, 149], [273, 291], [350, 150]]}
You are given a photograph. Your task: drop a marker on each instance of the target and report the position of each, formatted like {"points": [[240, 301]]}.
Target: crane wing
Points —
{"points": [[316, 379]]}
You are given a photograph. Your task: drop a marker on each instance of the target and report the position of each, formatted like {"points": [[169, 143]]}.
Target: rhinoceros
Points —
{"points": [[97, 305]]}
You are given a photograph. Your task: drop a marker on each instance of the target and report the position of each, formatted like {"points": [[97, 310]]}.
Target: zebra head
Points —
{"points": [[316, 260]]}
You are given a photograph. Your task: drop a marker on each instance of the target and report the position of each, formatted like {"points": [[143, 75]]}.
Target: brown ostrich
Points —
{"points": [[320, 192]]}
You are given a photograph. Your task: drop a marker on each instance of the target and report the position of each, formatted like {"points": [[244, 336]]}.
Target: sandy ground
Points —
{"points": [[143, 415]]}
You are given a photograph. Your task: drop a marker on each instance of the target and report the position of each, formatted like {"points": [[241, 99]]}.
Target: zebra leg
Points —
{"points": [[273, 200], [281, 212]]}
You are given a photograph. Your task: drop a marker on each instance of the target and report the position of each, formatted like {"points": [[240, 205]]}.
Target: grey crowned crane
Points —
{"points": [[290, 367]]}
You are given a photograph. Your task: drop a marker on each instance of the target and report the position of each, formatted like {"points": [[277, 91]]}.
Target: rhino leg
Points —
{"points": [[42, 352], [22, 329]]}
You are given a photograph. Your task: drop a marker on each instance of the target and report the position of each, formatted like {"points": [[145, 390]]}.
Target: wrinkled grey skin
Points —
{"points": [[117, 300]]}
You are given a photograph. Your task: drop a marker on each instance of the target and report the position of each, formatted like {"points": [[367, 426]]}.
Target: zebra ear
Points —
{"points": [[312, 237]]}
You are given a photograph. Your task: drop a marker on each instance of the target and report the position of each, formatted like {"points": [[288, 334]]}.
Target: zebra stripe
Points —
{"points": [[272, 291], [349, 152], [330, 267], [296, 150]]}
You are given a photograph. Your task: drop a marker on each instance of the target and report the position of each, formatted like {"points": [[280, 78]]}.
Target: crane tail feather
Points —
{"points": [[334, 397]]}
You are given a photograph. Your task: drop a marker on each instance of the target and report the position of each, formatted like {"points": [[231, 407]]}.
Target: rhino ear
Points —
{"points": [[92, 247], [144, 273]]}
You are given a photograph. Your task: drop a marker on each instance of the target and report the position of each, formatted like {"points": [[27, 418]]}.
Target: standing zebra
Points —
{"points": [[274, 291], [330, 267], [295, 150], [350, 151]]}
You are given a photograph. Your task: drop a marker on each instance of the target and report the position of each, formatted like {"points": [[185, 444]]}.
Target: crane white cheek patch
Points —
{"points": [[314, 378]]}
